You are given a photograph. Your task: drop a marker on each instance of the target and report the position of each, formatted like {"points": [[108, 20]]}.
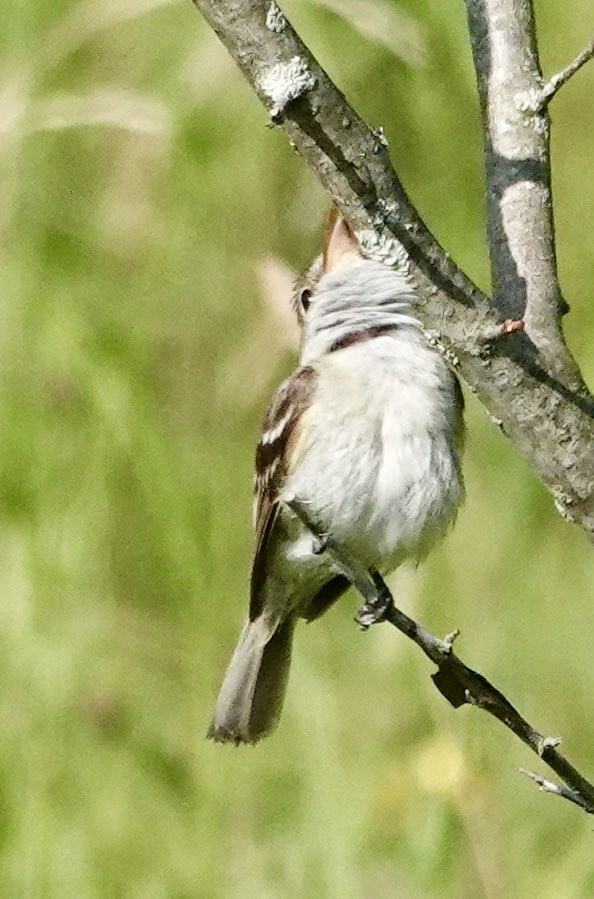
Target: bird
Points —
{"points": [[368, 431]]}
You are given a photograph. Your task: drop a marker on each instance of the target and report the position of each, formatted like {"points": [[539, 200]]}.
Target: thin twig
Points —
{"points": [[548, 786], [458, 683], [557, 81]]}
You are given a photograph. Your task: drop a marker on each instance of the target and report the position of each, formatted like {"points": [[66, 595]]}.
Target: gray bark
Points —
{"points": [[519, 203]]}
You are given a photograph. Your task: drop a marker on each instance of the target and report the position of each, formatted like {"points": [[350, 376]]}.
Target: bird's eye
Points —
{"points": [[305, 298]]}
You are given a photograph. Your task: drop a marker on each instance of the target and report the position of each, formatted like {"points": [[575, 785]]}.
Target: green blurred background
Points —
{"points": [[148, 220]]}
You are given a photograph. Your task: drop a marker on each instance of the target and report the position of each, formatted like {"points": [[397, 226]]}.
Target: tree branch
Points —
{"points": [[540, 403], [519, 202], [557, 81], [459, 684], [547, 786]]}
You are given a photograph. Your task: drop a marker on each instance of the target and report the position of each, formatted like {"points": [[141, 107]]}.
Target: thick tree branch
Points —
{"points": [[540, 403], [459, 684], [519, 202]]}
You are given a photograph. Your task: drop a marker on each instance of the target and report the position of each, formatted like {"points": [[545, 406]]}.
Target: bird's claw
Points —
{"points": [[377, 608], [320, 544]]}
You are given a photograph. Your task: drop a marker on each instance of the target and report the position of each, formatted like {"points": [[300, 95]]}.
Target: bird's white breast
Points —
{"points": [[377, 456]]}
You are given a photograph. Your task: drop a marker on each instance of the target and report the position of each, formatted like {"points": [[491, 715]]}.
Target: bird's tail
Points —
{"points": [[251, 698]]}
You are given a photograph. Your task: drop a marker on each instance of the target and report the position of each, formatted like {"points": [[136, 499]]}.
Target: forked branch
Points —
{"points": [[527, 380]]}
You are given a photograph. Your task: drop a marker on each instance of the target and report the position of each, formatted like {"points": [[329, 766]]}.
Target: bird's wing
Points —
{"points": [[274, 460]]}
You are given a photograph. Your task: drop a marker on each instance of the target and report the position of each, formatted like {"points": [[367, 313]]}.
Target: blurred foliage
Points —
{"points": [[142, 204]]}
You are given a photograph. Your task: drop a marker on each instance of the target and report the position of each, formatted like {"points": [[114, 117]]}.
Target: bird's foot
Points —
{"points": [[320, 544], [378, 607]]}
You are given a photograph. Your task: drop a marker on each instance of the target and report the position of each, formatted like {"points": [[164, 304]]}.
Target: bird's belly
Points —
{"points": [[398, 507], [414, 497], [384, 483]]}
